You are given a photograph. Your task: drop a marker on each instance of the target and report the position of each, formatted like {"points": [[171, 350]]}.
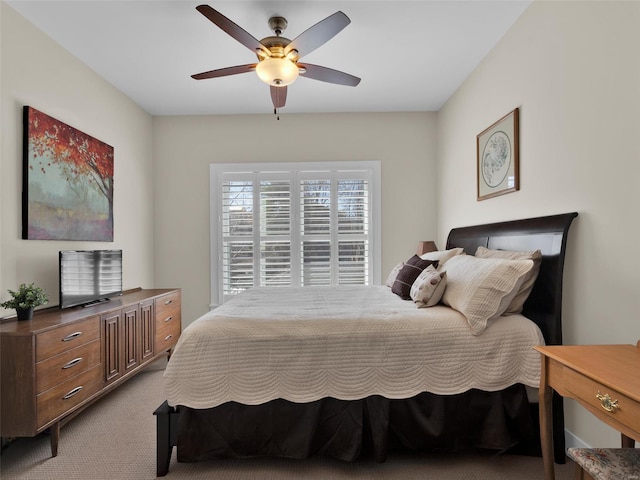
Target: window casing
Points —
{"points": [[293, 224]]}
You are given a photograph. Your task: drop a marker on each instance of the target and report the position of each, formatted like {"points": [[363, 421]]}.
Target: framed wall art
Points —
{"points": [[498, 158], [67, 191]]}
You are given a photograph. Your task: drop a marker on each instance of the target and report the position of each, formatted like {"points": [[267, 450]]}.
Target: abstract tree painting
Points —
{"points": [[67, 182]]}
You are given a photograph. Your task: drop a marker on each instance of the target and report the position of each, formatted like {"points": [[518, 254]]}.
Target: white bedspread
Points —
{"points": [[303, 344]]}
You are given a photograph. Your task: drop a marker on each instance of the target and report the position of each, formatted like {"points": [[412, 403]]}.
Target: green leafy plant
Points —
{"points": [[27, 296]]}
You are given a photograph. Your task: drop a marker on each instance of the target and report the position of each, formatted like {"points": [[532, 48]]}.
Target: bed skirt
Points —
{"points": [[349, 430]]}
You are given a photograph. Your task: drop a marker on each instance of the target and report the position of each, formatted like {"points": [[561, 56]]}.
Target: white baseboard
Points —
{"points": [[572, 441]]}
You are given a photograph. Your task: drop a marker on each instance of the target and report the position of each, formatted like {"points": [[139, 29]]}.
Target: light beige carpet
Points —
{"points": [[115, 439]]}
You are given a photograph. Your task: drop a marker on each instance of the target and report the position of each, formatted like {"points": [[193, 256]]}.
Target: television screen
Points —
{"points": [[89, 276]]}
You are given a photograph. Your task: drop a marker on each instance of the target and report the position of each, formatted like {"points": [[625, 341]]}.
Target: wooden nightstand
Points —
{"points": [[604, 379]]}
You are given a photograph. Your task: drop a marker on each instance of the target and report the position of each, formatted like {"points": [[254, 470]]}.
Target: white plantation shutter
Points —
{"points": [[293, 225], [275, 233], [237, 231], [315, 231], [353, 231]]}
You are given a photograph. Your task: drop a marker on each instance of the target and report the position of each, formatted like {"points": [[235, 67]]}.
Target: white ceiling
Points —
{"points": [[411, 55]]}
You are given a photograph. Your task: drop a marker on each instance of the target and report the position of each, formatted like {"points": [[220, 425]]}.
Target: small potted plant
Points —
{"points": [[25, 299]]}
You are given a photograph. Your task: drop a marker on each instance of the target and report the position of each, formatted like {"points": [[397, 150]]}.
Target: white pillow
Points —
{"points": [[527, 285], [428, 288], [442, 255], [482, 288], [393, 274]]}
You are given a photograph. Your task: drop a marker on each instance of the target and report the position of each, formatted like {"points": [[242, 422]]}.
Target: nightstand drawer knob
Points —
{"points": [[607, 403]]}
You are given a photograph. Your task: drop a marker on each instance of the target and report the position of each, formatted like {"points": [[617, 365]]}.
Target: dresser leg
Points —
{"points": [[54, 432]]}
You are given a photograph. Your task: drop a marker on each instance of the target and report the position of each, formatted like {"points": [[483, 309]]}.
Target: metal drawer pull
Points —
{"points": [[72, 393], [168, 302], [168, 319], [606, 402], [167, 337], [71, 363], [71, 336]]}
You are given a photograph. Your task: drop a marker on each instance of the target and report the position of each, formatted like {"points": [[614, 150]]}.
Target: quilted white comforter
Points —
{"points": [[303, 344]]}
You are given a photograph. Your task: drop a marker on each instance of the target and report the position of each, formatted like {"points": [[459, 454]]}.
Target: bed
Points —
{"points": [[246, 380]]}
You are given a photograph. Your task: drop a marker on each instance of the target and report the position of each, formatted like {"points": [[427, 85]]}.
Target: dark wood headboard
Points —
{"points": [[547, 234], [544, 305]]}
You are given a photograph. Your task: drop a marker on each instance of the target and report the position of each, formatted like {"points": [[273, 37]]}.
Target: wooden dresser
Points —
{"points": [[54, 366]]}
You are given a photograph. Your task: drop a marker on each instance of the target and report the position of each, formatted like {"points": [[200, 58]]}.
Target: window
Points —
{"points": [[293, 224]]}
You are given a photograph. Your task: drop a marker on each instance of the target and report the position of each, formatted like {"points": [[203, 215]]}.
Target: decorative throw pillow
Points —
{"points": [[482, 288], [527, 285], [428, 288], [442, 255], [408, 274], [393, 274]]}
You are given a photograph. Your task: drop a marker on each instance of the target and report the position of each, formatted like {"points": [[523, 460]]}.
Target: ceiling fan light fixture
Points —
{"points": [[278, 72]]}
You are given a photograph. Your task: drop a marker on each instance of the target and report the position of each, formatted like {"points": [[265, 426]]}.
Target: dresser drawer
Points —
{"points": [[586, 389], [66, 337], [167, 334], [60, 368], [63, 397], [168, 306], [168, 321]]}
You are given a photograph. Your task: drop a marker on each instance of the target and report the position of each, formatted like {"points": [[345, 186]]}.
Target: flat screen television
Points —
{"points": [[89, 276]]}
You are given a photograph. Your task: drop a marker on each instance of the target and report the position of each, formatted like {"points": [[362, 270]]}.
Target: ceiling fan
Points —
{"points": [[278, 64]]}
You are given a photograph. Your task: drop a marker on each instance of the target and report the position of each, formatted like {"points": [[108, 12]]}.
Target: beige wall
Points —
{"points": [[573, 69], [184, 147], [36, 71]]}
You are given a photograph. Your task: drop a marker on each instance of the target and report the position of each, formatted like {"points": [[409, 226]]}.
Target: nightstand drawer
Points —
{"points": [[62, 398], [66, 337], [627, 410], [62, 367]]}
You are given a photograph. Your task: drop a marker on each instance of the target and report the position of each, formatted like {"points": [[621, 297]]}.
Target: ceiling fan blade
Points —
{"points": [[278, 96], [329, 75], [223, 72], [237, 32], [320, 33]]}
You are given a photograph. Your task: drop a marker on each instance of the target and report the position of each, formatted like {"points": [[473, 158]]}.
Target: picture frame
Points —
{"points": [[498, 158], [67, 182]]}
